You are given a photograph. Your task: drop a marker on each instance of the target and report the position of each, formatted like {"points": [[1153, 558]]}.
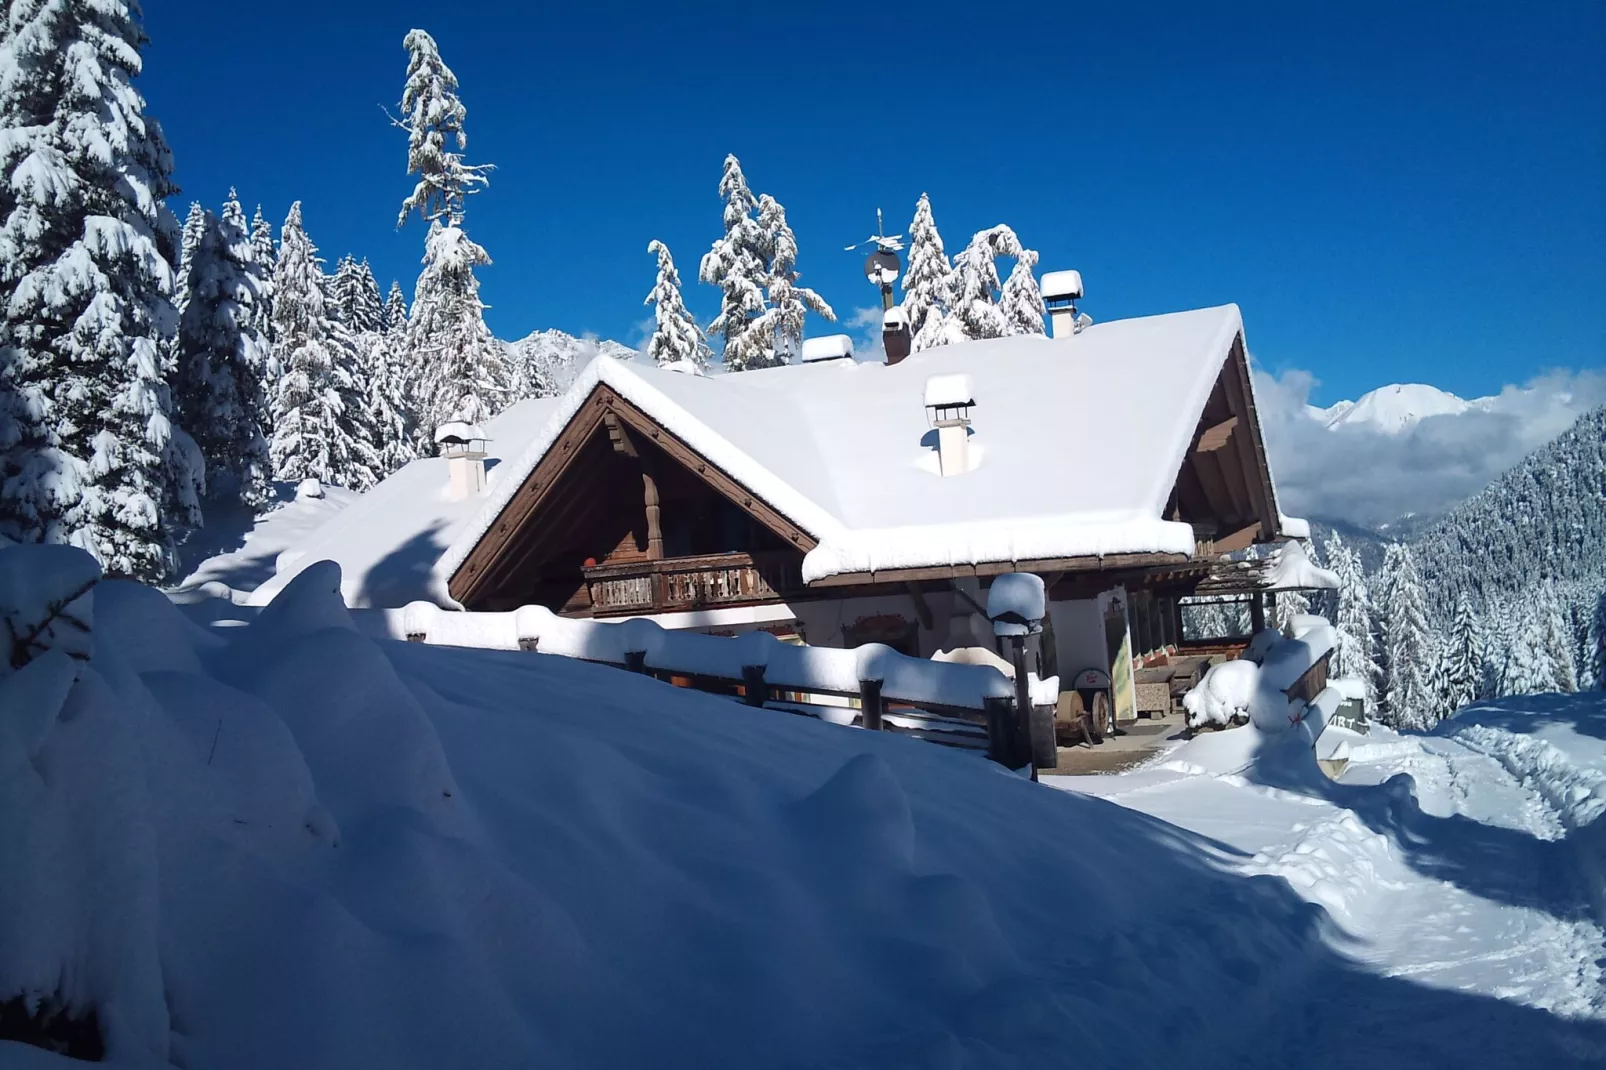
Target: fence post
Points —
{"points": [[636, 660], [870, 700], [755, 691], [1022, 751]]}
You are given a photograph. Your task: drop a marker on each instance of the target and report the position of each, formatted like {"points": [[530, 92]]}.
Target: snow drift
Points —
{"points": [[289, 844]]}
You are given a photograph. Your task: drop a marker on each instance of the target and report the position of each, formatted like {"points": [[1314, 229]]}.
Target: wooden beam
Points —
{"points": [[618, 435], [1215, 436], [1228, 464], [1221, 507], [655, 528], [922, 611], [1241, 539]]}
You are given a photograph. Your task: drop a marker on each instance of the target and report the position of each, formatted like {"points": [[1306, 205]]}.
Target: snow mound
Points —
{"points": [[421, 856]]}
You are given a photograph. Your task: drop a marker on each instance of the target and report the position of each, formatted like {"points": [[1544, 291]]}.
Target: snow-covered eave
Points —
{"points": [[991, 547], [608, 371]]}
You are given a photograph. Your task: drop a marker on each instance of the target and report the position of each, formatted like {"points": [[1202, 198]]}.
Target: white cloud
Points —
{"points": [[864, 327], [1362, 475]]}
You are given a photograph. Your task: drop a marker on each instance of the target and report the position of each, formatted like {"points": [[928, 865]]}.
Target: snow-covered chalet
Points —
{"points": [[840, 502]]}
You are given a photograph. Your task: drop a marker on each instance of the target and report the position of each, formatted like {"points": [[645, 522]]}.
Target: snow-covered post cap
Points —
{"points": [[830, 347], [309, 488], [1061, 286], [1016, 603]]}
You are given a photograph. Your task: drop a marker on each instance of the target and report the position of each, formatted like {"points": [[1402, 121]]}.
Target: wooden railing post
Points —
{"points": [[870, 700], [755, 692]]}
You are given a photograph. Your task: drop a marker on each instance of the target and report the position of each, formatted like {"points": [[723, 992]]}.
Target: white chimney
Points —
{"points": [[1061, 290], [948, 402], [463, 446]]}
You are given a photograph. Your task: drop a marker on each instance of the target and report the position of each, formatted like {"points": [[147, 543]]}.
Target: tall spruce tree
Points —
{"points": [[1558, 644], [973, 308], [927, 281], [1356, 653], [395, 308], [460, 372], [1463, 668], [781, 324], [86, 285], [1022, 300], [737, 264], [433, 116], [1409, 652], [314, 436], [190, 238], [356, 296], [264, 257], [675, 335], [1596, 644], [222, 359]]}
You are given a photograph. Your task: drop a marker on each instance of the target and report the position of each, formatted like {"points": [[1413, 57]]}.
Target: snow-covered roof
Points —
{"points": [[389, 541], [1066, 467], [1077, 445]]}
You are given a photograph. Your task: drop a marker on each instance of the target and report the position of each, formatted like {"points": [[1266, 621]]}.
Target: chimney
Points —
{"points": [[948, 402], [895, 334], [463, 446], [1061, 290]]}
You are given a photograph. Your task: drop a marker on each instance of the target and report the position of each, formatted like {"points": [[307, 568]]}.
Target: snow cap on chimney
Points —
{"points": [[1061, 290], [895, 340]]}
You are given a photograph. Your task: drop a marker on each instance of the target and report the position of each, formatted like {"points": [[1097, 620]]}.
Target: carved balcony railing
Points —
{"points": [[676, 583]]}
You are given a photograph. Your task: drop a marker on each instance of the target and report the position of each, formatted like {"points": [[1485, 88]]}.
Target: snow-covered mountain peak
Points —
{"points": [[1395, 408]]}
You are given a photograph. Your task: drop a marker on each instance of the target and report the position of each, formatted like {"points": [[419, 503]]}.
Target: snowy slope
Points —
{"points": [[239, 550], [336, 852]]}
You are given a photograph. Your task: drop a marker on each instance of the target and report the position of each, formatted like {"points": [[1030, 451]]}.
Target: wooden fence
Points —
{"points": [[970, 706]]}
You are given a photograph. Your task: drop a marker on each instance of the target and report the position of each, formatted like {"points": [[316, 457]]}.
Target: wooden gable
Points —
{"points": [[604, 495], [1224, 486]]}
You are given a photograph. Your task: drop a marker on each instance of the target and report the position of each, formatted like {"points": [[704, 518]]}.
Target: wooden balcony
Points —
{"points": [[677, 583]]}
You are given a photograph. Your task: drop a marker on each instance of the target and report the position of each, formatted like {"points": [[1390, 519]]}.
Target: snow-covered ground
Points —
{"points": [[240, 551], [1469, 860], [285, 843]]}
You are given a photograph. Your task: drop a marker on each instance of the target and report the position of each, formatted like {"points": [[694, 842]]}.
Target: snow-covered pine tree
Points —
{"points": [[395, 308], [86, 286], [1463, 662], [458, 370], [461, 370], [1528, 668], [433, 116], [385, 399], [1558, 642], [313, 432], [218, 386], [738, 264], [782, 322], [190, 238], [1356, 653], [973, 309], [1290, 604], [356, 296], [263, 259], [1409, 649], [1596, 644], [927, 281], [1022, 301], [675, 335]]}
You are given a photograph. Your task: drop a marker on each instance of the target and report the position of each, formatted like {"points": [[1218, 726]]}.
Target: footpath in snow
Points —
{"points": [[1469, 860], [285, 843]]}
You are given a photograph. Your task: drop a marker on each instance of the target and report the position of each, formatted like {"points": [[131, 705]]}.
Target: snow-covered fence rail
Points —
{"points": [[765, 668]]}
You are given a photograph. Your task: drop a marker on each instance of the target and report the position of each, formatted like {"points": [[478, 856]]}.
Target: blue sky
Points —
{"points": [[1398, 192]]}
